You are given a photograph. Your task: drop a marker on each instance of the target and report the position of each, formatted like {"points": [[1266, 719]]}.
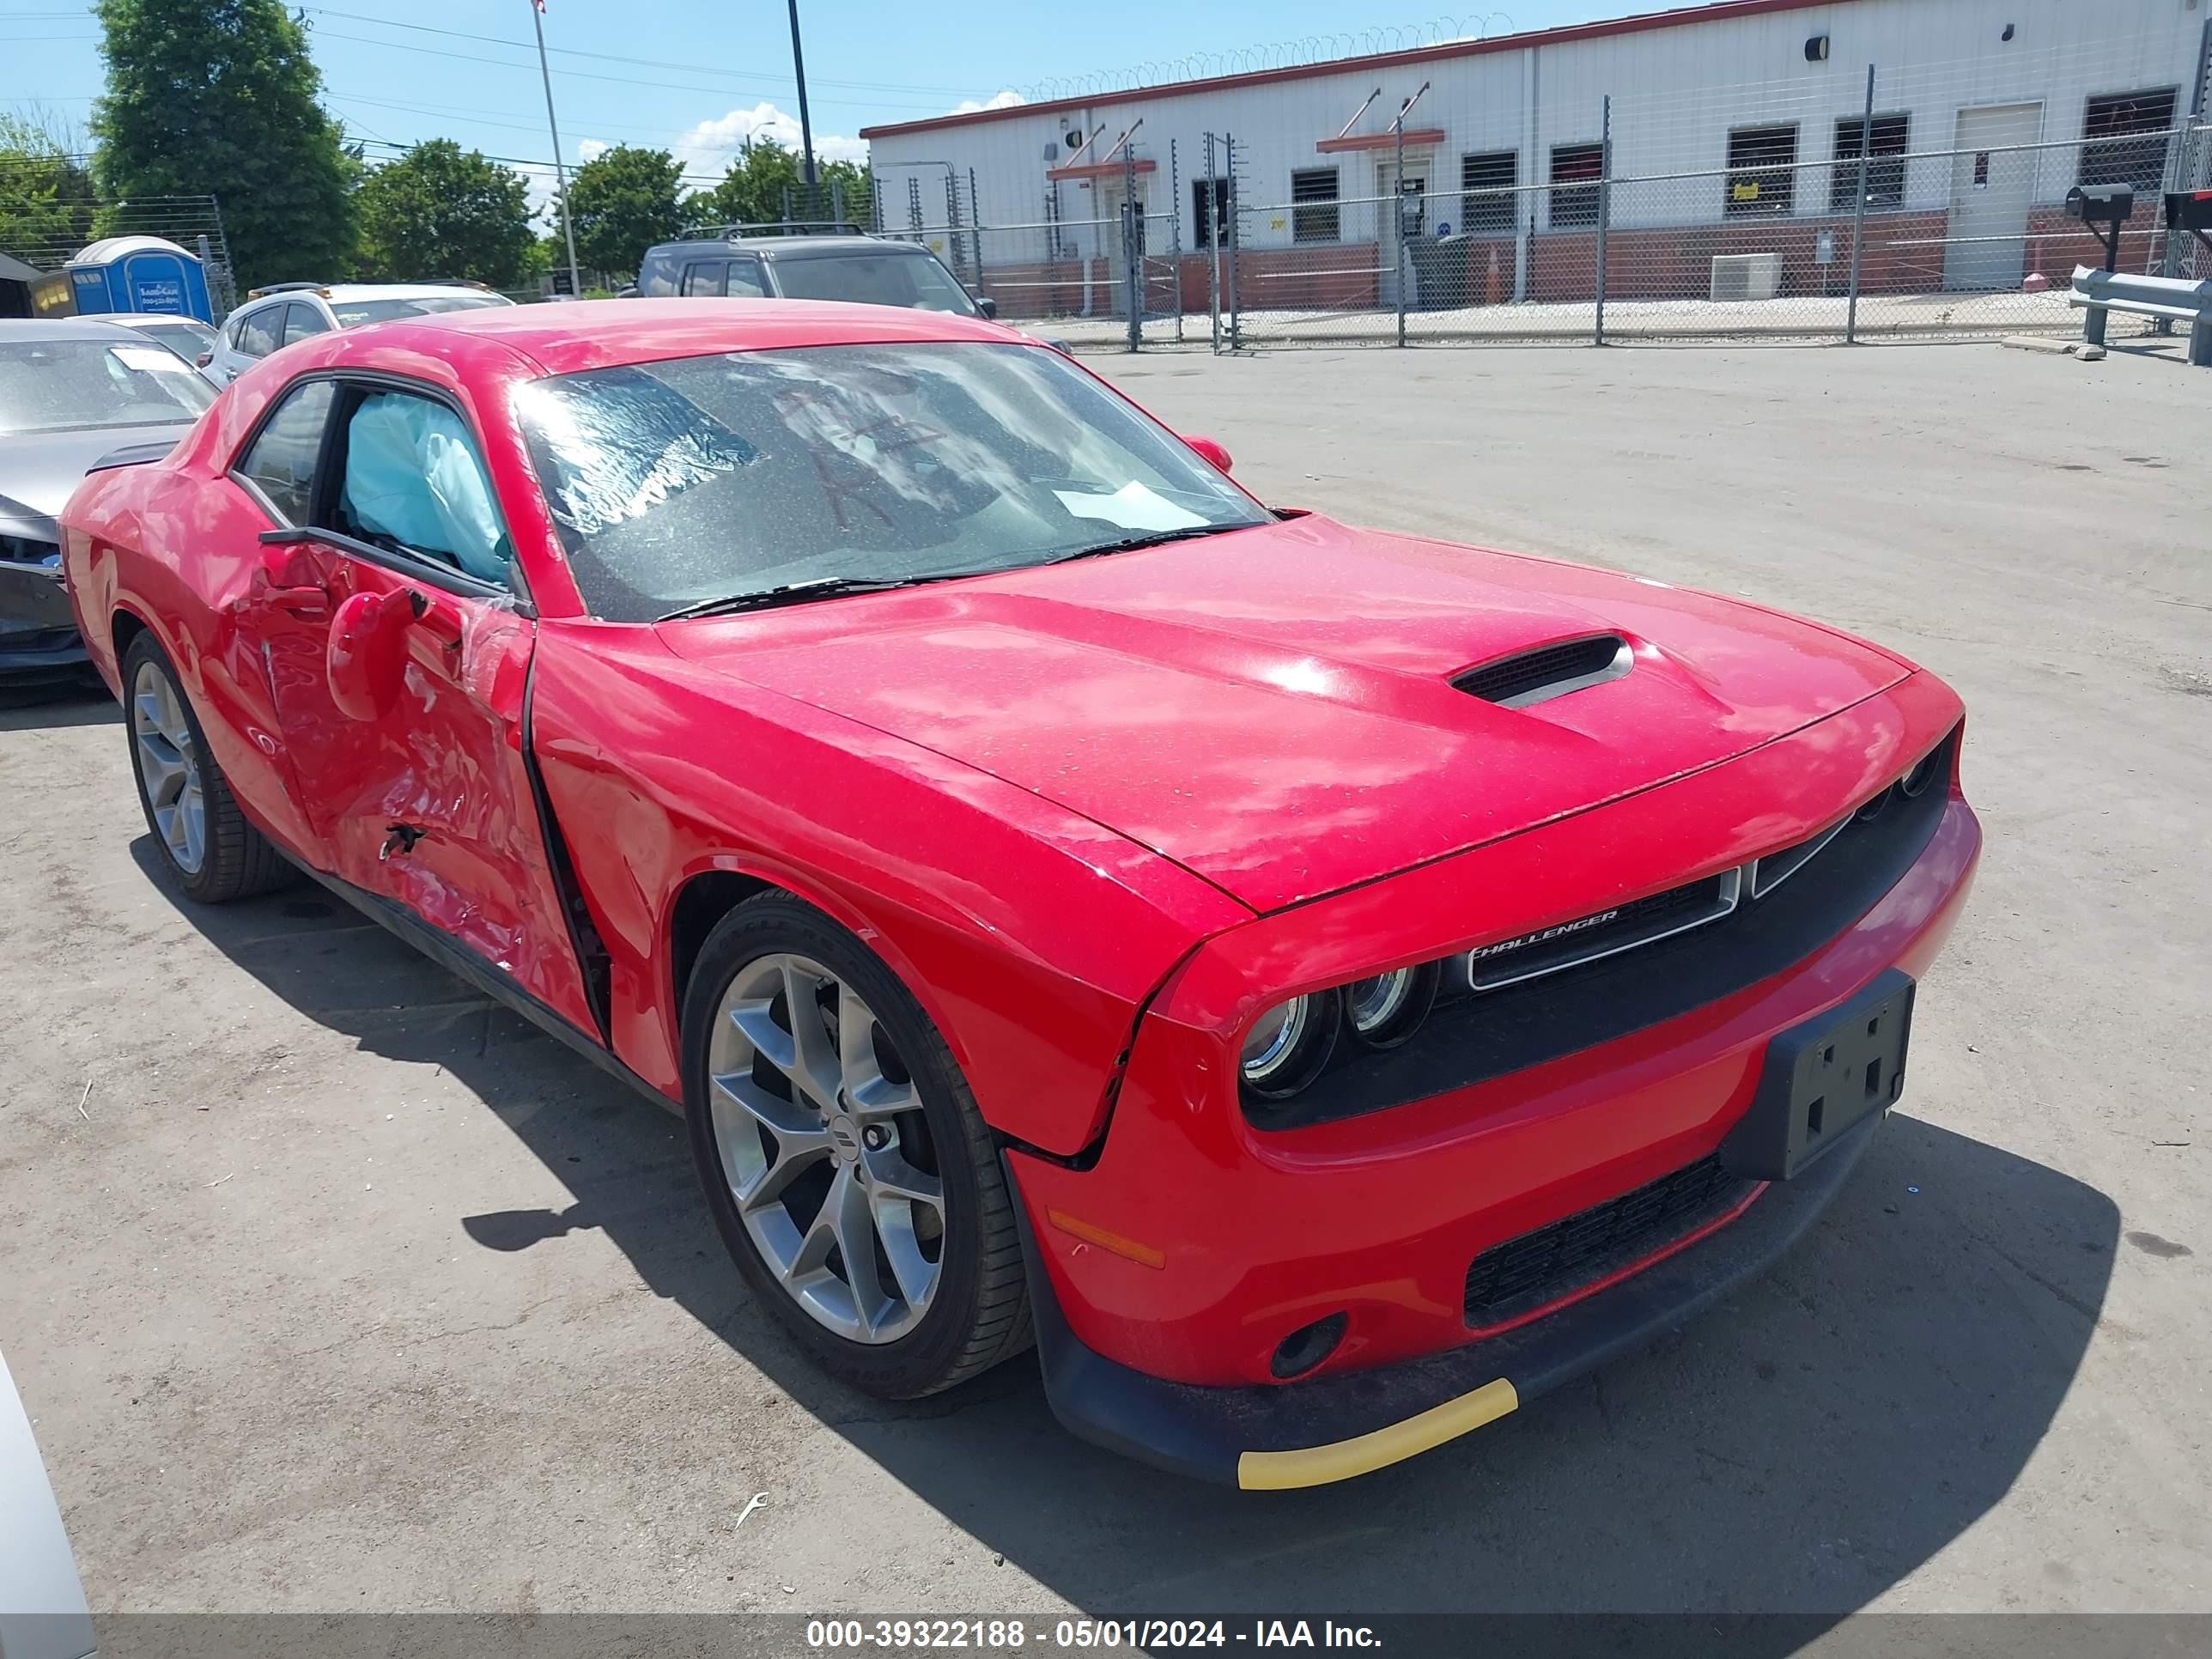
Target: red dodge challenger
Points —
{"points": [[1321, 989]]}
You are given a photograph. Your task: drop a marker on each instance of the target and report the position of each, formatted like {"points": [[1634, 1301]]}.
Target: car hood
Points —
{"points": [[1275, 708], [39, 470]]}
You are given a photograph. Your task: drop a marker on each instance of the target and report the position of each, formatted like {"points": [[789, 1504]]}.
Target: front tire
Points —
{"points": [[210, 850], [848, 1168]]}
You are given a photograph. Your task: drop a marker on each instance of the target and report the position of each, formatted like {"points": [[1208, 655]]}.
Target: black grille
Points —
{"points": [[1586, 1003], [1527, 1273], [1646, 918], [1516, 677]]}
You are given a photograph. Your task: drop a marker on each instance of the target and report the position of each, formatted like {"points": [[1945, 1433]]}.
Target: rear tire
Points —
{"points": [[845, 1130], [211, 851]]}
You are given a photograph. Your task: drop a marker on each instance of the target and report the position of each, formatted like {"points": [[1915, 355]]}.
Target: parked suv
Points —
{"points": [[285, 312], [786, 263]]}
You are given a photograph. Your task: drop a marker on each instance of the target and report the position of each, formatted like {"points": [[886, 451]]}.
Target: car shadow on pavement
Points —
{"points": [[57, 703], [1801, 1448]]}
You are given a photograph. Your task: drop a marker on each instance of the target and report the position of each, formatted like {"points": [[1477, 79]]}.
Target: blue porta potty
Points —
{"points": [[139, 273]]}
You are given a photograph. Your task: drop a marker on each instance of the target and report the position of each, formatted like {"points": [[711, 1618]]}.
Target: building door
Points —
{"points": [[1991, 186], [1399, 216], [1121, 235]]}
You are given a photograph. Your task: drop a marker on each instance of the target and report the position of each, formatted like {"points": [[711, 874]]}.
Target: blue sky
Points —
{"points": [[699, 77]]}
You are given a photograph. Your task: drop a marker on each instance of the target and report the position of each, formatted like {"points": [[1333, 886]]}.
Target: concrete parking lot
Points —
{"points": [[332, 1288]]}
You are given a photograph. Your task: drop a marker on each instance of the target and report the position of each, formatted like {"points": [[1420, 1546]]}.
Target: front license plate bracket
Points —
{"points": [[1823, 1078]]}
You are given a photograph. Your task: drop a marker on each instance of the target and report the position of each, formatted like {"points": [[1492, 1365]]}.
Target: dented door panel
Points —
{"points": [[427, 801]]}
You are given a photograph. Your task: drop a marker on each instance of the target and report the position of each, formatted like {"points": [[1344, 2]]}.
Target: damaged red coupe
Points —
{"points": [[1321, 988]]}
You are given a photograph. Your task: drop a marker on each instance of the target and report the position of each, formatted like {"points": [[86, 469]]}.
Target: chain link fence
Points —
{"points": [[1117, 276], [1795, 250], [46, 229], [1929, 207]]}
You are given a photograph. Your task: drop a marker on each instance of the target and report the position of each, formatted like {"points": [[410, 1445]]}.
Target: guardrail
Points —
{"points": [[2101, 293]]}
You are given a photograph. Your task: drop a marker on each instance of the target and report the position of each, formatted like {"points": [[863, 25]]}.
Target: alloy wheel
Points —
{"points": [[169, 766], [826, 1149]]}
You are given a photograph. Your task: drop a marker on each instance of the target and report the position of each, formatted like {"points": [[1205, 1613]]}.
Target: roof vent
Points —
{"points": [[1551, 671]]}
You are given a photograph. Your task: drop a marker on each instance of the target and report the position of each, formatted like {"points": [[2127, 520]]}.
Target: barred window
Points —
{"points": [[1314, 211], [1495, 170], [1572, 202], [1885, 172], [2112, 153], [1762, 173]]}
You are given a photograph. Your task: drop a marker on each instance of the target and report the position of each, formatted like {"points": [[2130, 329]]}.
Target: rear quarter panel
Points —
{"points": [[174, 549]]}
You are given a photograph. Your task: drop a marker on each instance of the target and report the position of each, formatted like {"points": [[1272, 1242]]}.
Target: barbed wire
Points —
{"points": [[1267, 55]]}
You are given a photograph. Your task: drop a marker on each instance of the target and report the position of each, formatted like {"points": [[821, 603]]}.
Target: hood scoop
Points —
{"points": [[1528, 677]]}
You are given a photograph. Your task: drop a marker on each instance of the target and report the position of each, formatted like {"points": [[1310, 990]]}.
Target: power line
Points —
{"points": [[699, 179], [618, 80], [617, 57], [440, 111]]}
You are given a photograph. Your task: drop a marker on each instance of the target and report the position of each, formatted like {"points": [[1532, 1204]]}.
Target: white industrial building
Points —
{"points": [[1735, 130]]}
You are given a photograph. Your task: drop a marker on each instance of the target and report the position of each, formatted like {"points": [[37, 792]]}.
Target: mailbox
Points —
{"points": [[2101, 204], [2104, 209], [2190, 210]]}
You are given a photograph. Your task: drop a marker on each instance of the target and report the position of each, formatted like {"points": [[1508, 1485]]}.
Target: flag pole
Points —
{"points": [[560, 167]]}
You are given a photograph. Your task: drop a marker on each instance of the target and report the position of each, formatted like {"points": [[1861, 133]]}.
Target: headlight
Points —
{"points": [[1289, 1044], [1384, 1011]]}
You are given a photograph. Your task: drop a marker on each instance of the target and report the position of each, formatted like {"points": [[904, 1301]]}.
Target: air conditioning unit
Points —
{"points": [[1747, 276]]}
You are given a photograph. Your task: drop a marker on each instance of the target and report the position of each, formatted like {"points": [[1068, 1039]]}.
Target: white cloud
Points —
{"points": [[708, 148], [1006, 100], [539, 175]]}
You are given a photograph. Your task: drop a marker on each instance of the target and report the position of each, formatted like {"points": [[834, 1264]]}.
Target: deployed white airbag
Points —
{"points": [[411, 474]]}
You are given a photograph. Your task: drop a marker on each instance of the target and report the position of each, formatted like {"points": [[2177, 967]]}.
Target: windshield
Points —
{"points": [[675, 483], [352, 313], [177, 336], [58, 385], [913, 280]]}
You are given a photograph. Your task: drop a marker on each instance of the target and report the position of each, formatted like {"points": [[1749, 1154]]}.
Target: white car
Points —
{"points": [[284, 312], [42, 1608]]}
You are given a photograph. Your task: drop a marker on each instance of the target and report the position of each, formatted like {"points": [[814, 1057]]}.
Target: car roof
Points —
{"points": [[374, 291], [603, 334], [776, 246], [61, 328], [400, 290], [134, 318]]}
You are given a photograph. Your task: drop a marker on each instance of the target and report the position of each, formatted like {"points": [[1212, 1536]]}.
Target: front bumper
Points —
{"points": [[1193, 1244], [38, 631], [28, 655], [1337, 1426]]}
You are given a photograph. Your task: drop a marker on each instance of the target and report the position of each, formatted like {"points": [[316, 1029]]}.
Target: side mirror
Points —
{"points": [[989, 307], [1210, 452]]}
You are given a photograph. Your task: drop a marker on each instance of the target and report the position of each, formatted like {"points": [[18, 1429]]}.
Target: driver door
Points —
{"points": [[410, 769]]}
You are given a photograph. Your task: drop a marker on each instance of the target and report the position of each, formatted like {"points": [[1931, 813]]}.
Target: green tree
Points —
{"points": [[45, 194], [621, 203], [218, 98], [764, 175], [441, 211]]}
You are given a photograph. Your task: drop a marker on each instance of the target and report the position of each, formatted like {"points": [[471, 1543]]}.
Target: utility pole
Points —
{"points": [[560, 167], [806, 126]]}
